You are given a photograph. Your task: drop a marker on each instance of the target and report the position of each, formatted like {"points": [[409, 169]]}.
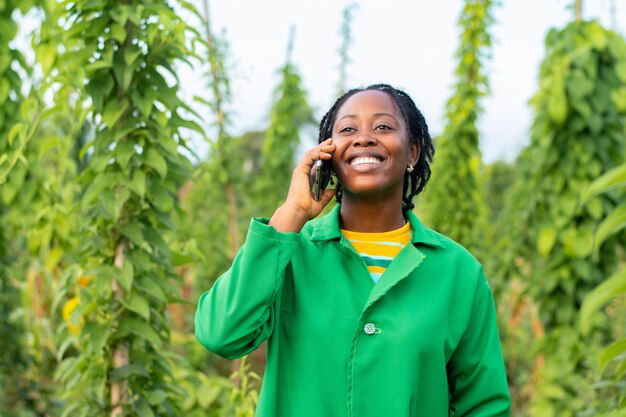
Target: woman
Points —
{"points": [[367, 312]]}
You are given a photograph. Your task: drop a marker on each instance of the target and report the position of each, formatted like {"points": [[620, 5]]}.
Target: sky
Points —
{"points": [[407, 43]]}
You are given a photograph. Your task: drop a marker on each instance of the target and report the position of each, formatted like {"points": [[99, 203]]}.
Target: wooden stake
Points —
{"points": [[578, 7], [119, 389]]}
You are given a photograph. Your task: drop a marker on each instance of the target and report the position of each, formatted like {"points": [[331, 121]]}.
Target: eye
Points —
{"points": [[347, 129], [383, 127]]}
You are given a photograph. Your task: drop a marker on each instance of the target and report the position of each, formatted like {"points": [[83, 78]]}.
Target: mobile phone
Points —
{"points": [[320, 177]]}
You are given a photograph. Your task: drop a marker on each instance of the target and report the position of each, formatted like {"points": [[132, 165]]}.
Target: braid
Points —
{"points": [[414, 182]]}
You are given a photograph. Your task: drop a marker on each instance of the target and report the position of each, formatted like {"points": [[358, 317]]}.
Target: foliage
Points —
{"points": [[11, 331], [612, 357], [289, 114], [124, 55], [577, 134], [96, 252], [455, 205]]}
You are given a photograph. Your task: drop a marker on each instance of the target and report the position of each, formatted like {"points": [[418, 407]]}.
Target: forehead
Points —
{"points": [[369, 102]]}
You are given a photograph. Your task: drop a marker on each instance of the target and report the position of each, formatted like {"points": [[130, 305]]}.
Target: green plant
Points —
{"points": [[124, 57], [289, 114], [577, 135], [612, 358], [454, 202]]}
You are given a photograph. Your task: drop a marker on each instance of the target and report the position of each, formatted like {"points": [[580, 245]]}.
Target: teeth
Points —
{"points": [[364, 160]]}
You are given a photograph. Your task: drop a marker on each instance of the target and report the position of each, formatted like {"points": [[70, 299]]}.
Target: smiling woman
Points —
{"points": [[365, 310]]}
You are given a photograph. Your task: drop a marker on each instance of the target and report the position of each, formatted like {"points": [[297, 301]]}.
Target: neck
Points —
{"points": [[371, 216]]}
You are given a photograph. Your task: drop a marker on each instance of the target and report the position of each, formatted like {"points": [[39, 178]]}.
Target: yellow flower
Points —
{"points": [[84, 281], [68, 308]]}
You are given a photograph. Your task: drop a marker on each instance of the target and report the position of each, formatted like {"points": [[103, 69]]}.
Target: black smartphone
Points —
{"points": [[320, 177]]}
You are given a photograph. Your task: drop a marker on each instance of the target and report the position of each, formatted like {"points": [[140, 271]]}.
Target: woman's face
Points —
{"points": [[372, 146]]}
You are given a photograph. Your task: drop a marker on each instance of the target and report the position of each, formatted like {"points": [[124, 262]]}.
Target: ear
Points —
{"points": [[414, 153]]}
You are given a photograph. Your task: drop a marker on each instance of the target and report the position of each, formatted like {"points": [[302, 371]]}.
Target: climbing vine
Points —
{"points": [[289, 114], [454, 202], [126, 54], [577, 134]]}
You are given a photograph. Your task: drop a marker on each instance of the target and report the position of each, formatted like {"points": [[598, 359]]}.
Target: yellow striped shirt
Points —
{"points": [[379, 249]]}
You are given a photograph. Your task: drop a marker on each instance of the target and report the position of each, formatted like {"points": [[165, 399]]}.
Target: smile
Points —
{"points": [[362, 160]]}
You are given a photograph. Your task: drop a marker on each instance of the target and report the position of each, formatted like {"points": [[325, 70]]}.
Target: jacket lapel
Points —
{"points": [[407, 260]]}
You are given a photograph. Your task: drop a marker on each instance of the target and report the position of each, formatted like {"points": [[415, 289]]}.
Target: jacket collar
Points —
{"points": [[328, 228]]}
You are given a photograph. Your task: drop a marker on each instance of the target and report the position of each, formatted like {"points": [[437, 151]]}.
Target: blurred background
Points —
{"points": [[138, 138]]}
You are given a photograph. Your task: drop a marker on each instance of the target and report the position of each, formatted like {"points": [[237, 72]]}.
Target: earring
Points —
{"points": [[409, 168]]}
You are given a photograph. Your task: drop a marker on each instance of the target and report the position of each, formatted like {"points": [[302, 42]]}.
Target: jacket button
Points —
{"points": [[369, 328]]}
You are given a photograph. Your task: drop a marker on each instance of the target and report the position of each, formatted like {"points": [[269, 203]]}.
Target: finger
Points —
{"points": [[327, 196], [313, 155]]}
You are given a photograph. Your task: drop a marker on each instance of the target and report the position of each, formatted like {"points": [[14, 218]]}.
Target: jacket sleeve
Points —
{"points": [[476, 373], [237, 314]]}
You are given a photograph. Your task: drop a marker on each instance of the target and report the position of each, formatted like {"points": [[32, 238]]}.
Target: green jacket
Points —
{"points": [[423, 341]]}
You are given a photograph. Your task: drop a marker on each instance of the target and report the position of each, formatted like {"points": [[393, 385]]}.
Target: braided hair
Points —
{"points": [[414, 182]]}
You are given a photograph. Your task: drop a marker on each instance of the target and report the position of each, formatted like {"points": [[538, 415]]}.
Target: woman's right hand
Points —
{"points": [[299, 206]]}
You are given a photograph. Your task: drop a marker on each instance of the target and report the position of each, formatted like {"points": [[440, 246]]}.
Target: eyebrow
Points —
{"points": [[354, 116]]}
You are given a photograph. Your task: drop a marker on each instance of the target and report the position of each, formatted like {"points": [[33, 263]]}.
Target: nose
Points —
{"points": [[364, 139]]}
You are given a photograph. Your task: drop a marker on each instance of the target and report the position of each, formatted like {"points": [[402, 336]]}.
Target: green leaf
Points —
{"points": [[620, 70], [99, 88], [155, 160], [95, 189], [94, 66], [141, 260], [132, 369], [137, 303], [149, 286], [124, 150], [142, 329], [126, 276], [29, 108], [546, 240], [619, 98], [123, 73], [113, 111], [120, 15], [46, 55], [153, 237], [5, 87], [210, 393], [144, 103], [161, 197], [578, 85], [132, 230], [118, 33], [583, 241], [157, 396], [138, 183], [612, 179], [612, 351], [611, 288], [131, 54], [613, 223], [143, 408], [16, 129], [98, 335], [113, 201], [597, 35], [557, 104]]}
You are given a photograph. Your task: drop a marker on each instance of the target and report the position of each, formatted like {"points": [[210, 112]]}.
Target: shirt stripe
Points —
{"points": [[378, 250]]}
